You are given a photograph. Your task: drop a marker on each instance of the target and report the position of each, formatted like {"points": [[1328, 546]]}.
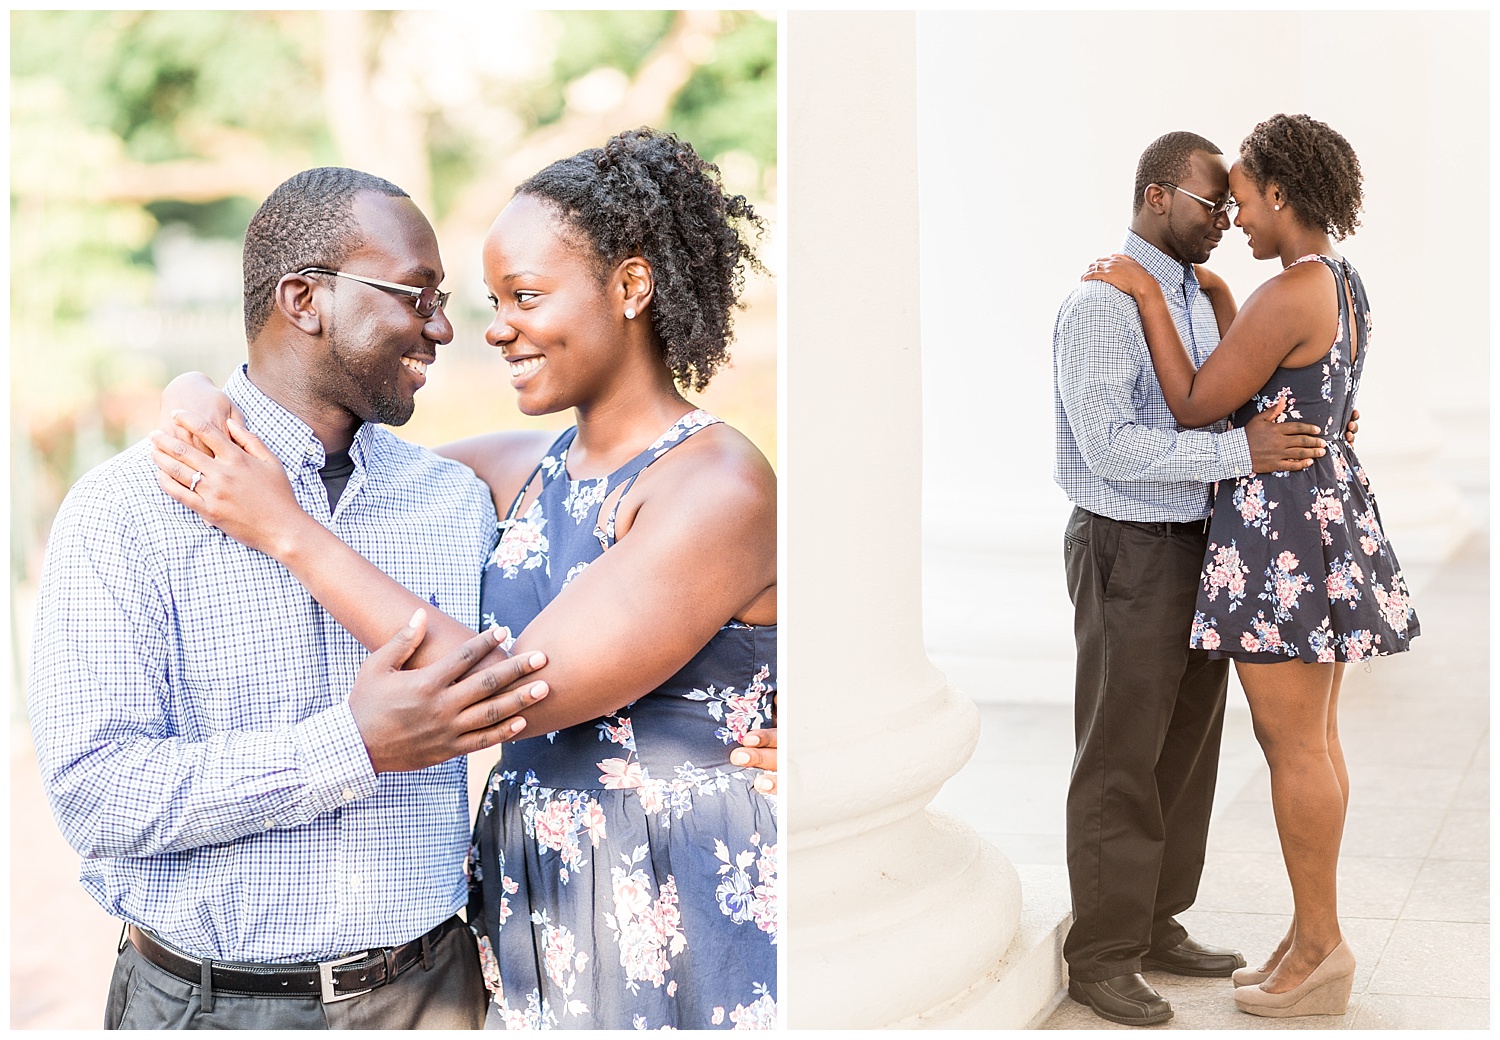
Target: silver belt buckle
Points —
{"points": [[325, 978]]}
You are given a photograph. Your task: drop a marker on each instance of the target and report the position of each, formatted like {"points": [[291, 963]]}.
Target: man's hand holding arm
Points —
{"points": [[133, 769], [1100, 356], [1282, 446], [465, 701]]}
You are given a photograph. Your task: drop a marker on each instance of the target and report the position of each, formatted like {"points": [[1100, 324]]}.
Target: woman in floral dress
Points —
{"points": [[624, 871], [1299, 578]]}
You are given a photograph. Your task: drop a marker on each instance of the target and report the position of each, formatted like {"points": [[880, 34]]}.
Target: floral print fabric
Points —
{"points": [[1298, 565], [624, 871]]}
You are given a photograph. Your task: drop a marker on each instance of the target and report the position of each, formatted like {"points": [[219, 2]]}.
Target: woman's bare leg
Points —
{"points": [[1292, 706], [1336, 756]]}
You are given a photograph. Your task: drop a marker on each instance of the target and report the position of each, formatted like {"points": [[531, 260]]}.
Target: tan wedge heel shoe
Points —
{"points": [[1324, 992], [1250, 976]]}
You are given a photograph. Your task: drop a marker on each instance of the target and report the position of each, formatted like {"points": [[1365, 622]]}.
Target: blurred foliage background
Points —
{"points": [[142, 142]]}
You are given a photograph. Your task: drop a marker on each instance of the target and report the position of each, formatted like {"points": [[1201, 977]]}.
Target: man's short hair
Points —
{"points": [[1168, 158], [308, 221]]}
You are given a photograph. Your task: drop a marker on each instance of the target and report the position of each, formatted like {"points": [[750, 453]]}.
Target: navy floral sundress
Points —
{"points": [[1298, 564], [623, 870]]}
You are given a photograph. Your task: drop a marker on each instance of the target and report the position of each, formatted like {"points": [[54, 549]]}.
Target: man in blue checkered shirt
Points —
{"points": [[281, 821], [1148, 711]]}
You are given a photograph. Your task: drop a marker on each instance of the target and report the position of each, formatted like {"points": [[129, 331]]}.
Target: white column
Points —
{"points": [[895, 910]]}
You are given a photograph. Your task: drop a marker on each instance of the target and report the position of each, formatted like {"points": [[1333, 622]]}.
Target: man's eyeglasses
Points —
{"points": [[425, 299], [1215, 209]]}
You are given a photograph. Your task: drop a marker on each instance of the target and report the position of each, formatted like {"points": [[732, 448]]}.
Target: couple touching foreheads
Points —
{"points": [[1220, 513], [252, 728]]}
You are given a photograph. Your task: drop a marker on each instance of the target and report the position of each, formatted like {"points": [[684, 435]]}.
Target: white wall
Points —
{"points": [[1030, 127]]}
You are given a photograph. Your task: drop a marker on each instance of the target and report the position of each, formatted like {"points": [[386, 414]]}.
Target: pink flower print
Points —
{"points": [[1322, 642], [552, 825], [522, 546], [694, 420], [718, 1018], [557, 953], [617, 730], [1250, 500], [1204, 635], [1367, 523], [489, 967], [1340, 467], [1395, 607], [652, 796], [1344, 579], [1264, 401], [1369, 545], [647, 933], [1283, 588], [537, 1014], [760, 1014], [617, 774], [631, 892], [1358, 644], [1329, 509], [1266, 638], [594, 822], [584, 497], [1226, 571]]}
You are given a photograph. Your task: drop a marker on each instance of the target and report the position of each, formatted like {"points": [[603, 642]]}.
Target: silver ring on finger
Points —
{"points": [[197, 476]]}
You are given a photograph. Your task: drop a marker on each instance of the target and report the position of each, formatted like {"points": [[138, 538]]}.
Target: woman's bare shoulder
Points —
{"points": [[502, 459], [1302, 289], [717, 468]]}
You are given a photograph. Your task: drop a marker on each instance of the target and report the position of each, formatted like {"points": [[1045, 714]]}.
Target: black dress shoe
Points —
{"points": [[1190, 957], [1126, 999]]}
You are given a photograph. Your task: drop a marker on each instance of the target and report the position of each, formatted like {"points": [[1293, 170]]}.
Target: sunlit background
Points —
{"points": [[142, 142]]}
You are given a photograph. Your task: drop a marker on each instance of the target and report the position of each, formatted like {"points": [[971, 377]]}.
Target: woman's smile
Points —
{"points": [[523, 368]]}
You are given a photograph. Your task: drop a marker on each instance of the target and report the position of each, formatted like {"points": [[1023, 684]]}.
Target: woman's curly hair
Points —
{"points": [[648, 194], [1314, 166]]}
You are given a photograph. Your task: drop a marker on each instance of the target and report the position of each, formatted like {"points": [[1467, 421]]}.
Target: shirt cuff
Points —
{"points": [[1237, 452], [333, 757]]}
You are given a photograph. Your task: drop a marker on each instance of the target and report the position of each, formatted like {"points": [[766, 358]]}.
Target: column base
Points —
{"points": [[1029, 981], [908, 916]]}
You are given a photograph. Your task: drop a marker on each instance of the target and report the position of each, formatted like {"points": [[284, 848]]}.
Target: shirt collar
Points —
{"points": [[290, 439], [1171, 274]]}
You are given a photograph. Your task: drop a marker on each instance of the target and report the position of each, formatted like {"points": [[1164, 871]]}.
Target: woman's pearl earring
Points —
{"points": [[1277, 206], [630, 311]]}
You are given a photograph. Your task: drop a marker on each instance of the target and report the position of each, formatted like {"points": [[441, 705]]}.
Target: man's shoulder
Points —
{"points": [[415, 466], [124, 482], [119, 502], [1098, 301]]}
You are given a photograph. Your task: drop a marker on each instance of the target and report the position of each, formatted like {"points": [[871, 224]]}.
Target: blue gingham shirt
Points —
{"points": [[188, 700], [1119, 451]]}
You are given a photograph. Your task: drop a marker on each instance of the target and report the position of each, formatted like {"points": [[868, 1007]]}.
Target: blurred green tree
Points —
{"points": [[141, 142]]}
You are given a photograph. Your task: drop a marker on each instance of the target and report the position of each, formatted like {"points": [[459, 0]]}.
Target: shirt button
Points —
{"points": [[348, 794], [270, 824], [310, 451]]}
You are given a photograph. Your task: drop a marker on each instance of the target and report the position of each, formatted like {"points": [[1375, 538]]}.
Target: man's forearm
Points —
{"points": [[148, 797]]}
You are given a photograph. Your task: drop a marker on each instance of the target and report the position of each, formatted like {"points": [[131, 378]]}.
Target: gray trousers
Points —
{"points": [[1147, 714], [450, 995]]}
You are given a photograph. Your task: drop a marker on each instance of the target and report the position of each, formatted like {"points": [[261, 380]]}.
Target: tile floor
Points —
{"points": [[1414, 873]]}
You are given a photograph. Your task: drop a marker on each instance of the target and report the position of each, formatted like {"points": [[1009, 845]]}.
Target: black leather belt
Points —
{"points": [[1171, 526], [333, 980], [1161, 526]]}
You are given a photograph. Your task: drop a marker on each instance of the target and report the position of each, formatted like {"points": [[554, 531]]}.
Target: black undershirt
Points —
{"points": [[335, 474]]}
